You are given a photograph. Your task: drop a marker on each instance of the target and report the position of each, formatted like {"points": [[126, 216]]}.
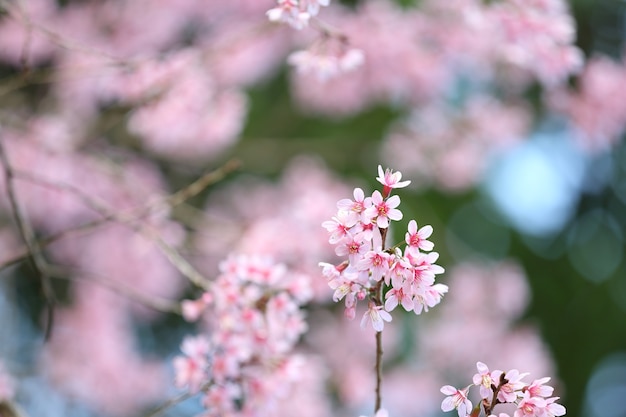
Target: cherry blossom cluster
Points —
{"points": [[296, 13], [244, 365], [330, 55], [498, 387], [405, 277]]}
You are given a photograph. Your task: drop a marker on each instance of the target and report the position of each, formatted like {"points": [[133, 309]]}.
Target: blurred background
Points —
{"points": [[507, 116]]}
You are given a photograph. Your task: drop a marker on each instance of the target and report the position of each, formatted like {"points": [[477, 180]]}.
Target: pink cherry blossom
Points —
{"points": [[353, 246], [457, 399], [313, 6], [553, 409], [390, 180], [538, 389], [358, 205], [191, 369], [382, 210], [377, 316], [288, 11], [325, 64], [512, 388], [377, 262], [402, 295], [483, 380], [340, 225], [417, 239], [530, 407]]}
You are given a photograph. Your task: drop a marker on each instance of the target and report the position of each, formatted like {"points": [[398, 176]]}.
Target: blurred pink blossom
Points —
{"points": [[7, 385], [594, 108]]}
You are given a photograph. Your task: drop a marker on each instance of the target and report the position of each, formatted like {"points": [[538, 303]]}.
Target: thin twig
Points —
{"points": [[177, 198], [153, 302], [28, 236], [172, 254], [177, 400]]}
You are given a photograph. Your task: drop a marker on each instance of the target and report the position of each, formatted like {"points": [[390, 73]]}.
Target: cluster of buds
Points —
{"points": [[244, 364], [497, 387], [399, 277]]}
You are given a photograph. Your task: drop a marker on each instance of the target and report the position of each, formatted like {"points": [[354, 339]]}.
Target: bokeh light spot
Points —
{"points": [[596, 245], [536, 184]]}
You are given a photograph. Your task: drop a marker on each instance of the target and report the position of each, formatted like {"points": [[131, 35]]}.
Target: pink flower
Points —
{"points": [[191, 369], [553, 409], [359, 204], [193, 309], [325, 65], [288, 11], [377, 316], [313, 6], [417, 239], [512, 389], [537, 389], [354, 246], [376, 262], [457, 399], [390, 179], [383, 210], [339, 225], [402, 295], [530, 406], [483, 379]]}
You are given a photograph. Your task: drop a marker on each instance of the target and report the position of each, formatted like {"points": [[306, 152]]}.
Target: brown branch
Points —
{"points": [[35, 255]]}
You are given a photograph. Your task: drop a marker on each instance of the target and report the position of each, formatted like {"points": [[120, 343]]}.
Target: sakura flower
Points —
{"points": [[510, 390], [537, 389], [313, 6], [354, 246], [530, 406], [339, 225], [417, 239], [429, 297], [351, 60], [326, 64], [377, 262], [382, 210], [358, 205], [377, 316], [193, 309], [483, 379], [390, 179], [402, 295], [457, 399], [553, 409], [191, 368], [288, 11]]}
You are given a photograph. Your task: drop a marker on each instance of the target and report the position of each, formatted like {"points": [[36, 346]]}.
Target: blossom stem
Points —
{"points": [[494, 400], [379, 370], [378, 297]]}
